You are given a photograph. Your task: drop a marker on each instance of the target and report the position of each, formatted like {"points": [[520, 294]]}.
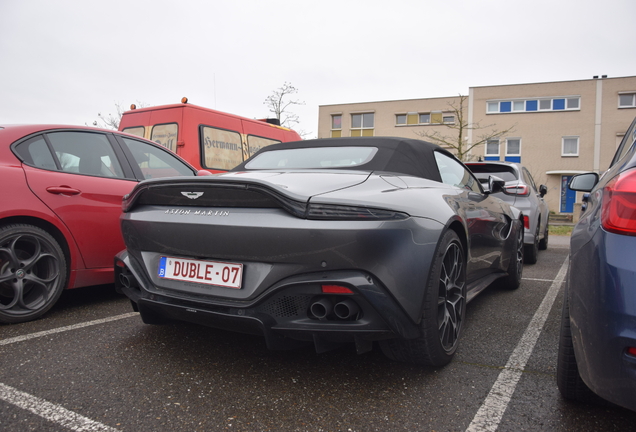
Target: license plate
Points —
{"points": [[206, 272]]}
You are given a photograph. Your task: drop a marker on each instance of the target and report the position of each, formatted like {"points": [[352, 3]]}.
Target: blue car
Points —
{"points": [[597, 347]]}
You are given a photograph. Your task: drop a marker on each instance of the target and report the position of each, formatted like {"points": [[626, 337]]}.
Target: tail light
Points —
{"points": [[338, 212], [619, 204], [520, 190], [336, 289], [526, 222]]}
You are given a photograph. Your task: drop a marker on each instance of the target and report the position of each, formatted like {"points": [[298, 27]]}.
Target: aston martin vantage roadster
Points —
{"points": [[327, 242]]}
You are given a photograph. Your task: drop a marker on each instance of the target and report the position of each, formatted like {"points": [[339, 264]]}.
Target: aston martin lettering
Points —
{"points": [[212, 213], [197, 212], [192, 195], [206, 272]]}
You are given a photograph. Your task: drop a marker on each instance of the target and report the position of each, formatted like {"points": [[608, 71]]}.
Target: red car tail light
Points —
{"points": [[631, 351], [336, 289], [521, 190], [619, 204], [526, 222]]}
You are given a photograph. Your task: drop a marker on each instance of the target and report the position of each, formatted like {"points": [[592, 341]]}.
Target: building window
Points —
{"points": [[336, 126], [532, 105], [437, 117], [412, 118], [408, 119], [492, 147], [362, 124], [569, 103], [627, 100], [558, 104], [513, 147], [570, 146]]}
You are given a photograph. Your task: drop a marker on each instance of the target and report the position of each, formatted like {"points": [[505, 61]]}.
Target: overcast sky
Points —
{"points": [[64, 61]]}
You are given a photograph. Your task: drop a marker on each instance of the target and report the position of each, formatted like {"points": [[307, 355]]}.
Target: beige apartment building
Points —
{"points": [[555, 129]]}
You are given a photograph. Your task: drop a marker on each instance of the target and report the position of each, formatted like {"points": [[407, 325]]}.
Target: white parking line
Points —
{"points": [[492, 410], [51, 412], [539, 280], [48, 410], [63, 329]]}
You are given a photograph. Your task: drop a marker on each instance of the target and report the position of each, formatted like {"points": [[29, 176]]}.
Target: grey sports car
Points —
{"points": [[327, 241]]}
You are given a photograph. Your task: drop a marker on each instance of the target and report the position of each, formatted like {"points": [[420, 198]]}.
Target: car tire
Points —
{"points": [[569, 380], [443, 312], [543, 243], [515, 266], [531, 253], [33, 272]]}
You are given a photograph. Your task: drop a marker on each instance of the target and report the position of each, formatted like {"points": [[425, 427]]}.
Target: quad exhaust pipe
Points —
{"points": [[321, 308], [346, 309], [128, 280], [343, 310]]}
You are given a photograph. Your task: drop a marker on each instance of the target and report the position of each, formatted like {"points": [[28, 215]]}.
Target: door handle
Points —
{"points": [[63, 190]]}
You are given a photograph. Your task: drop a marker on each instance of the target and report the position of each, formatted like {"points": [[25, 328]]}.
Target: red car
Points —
{"points": [[60, 202]]}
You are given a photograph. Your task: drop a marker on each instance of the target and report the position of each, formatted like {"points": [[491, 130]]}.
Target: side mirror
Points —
{"points": [[583, 182], [543, 189], [495, 184]]}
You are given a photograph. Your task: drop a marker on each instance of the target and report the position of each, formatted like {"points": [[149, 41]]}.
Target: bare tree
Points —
{"points": [[457, 140], [279, 103], [112, 121]]}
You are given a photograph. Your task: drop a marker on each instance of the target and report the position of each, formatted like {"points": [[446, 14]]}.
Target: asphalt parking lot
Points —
{"points": [[92, 365]]}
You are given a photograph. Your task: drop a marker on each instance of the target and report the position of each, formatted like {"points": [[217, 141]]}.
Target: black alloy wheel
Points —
{"points": [[32, 272], [451, 298]]}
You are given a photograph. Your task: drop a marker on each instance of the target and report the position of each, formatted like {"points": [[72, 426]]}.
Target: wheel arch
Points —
{"points": [[458, 227], [460, 230], [72, 256]]}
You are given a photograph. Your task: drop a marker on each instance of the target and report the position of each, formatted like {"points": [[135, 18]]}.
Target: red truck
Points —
{"points": [[208, 139]]}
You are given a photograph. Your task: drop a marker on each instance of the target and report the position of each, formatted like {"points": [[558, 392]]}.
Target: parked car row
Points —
{"points": [[62, 231], [348, 240]]}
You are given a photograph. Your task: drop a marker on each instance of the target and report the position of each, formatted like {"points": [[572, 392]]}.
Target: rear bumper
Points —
{"points": [[602, 295], [528, 238], [283, 314]]}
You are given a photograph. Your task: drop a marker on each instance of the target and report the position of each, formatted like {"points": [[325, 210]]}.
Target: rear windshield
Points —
{"points": [[313, 157], [503, 172]]}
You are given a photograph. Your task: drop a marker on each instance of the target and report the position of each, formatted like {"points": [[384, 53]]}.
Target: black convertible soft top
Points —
{"points": [[395, 155]]}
